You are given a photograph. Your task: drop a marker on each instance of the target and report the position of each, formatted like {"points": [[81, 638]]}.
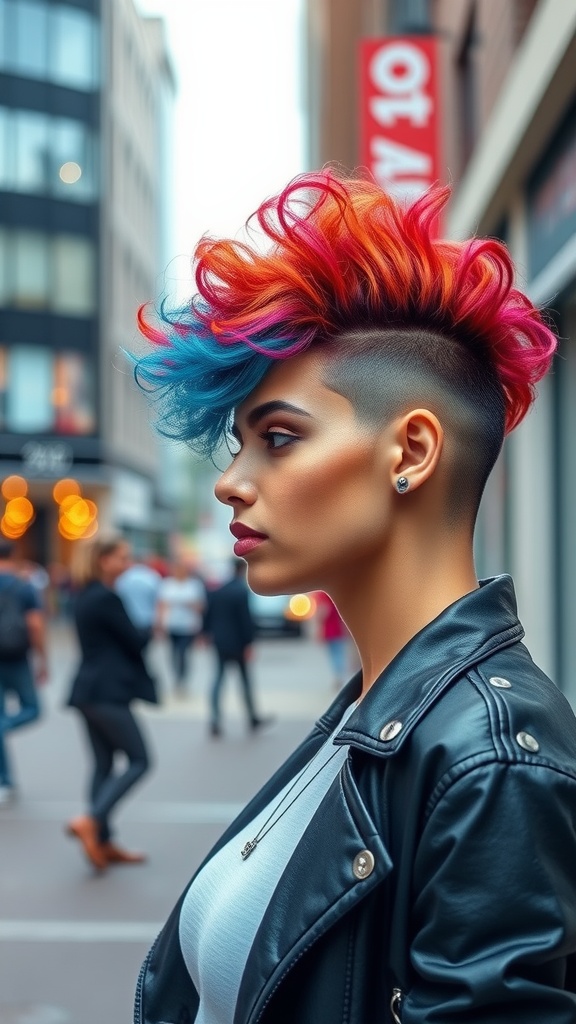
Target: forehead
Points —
{"points": [[299, 381]]}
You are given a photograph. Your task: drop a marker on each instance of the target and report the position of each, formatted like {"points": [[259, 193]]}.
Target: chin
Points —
{"points": [[269, 582]]}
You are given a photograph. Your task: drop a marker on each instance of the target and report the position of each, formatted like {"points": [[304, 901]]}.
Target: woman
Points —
{"points": [[111, 675], [413, 860]]}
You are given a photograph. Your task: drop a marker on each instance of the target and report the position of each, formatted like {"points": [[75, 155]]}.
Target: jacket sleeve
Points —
{"points": [[115, 619], [494, 911]]}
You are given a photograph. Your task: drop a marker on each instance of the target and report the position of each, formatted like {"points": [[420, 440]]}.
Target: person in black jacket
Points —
{"points": [[228, 622], [111, 675], [412, 862]]}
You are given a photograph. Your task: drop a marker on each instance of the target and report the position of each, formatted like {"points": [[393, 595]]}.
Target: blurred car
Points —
{"points": [[281, 615]]}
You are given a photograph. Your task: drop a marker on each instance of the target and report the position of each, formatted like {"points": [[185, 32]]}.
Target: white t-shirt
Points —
{"points": [[178, 596], [225, 904]]}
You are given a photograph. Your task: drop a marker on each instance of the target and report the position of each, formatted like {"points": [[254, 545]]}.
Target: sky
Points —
{"points": [[238, 117]]}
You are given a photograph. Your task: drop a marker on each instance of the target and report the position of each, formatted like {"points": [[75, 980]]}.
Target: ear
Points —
{"points": [[418, 440]]}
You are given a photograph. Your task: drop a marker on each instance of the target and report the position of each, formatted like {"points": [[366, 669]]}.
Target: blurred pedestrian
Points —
{"points": [[138, 587], [228, 623], [111, 675], [22, 638], [181, 604], [333, 634]]}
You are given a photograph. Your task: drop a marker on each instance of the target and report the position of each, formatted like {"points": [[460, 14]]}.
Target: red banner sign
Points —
{"points": [[400, 115]]}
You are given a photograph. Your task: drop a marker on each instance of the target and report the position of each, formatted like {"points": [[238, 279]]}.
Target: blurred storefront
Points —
{"points": [[85, 93], [508, 147]]}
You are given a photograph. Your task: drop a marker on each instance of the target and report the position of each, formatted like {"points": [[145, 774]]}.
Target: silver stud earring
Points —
{"points": [[402, 484]]}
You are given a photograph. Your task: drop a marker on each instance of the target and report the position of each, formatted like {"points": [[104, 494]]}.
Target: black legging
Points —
{"points": [[111, 728]]}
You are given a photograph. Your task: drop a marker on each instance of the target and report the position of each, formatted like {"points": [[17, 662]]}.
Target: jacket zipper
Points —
{"points": [[140, 985], [396, 1005]]}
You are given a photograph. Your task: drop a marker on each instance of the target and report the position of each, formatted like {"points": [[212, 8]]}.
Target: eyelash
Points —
{"points": [[269, 436]]}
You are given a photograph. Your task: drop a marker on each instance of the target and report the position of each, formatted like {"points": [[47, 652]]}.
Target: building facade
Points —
{"points": [[508, 95], [85, 88]]}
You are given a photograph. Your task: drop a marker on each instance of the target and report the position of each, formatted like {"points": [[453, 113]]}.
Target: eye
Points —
{"points": [[276, 439]]}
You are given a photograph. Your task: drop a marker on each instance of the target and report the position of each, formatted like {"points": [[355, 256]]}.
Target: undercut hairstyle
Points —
{"points": [[399, 313]]}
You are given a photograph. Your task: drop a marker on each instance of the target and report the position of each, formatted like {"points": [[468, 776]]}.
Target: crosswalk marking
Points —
{"points": [[79, 931]]}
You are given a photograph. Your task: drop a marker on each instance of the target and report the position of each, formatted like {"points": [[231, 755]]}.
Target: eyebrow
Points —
{"points": [[277, 405]]}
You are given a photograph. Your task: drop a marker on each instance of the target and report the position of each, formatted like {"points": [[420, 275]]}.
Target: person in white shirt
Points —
{"points": [[181, 601]]}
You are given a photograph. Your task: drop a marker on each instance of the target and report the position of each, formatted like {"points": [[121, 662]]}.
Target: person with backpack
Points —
{"points": [[22, 632]]}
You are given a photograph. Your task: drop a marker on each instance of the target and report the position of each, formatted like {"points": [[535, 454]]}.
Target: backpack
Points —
{"points": [[14, 637]]}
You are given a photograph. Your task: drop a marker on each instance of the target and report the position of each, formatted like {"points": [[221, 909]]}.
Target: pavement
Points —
{"points": [[71, 941]]}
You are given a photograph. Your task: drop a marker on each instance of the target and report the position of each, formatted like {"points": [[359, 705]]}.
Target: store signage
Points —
{"points": [[400, 118], [46, 458]]}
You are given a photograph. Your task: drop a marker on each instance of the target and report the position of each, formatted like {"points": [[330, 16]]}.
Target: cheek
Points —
{"points": [[325, 496]]}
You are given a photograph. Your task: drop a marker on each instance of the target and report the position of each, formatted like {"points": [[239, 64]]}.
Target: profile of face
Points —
{"points": [[115, 562], [310, 478]]}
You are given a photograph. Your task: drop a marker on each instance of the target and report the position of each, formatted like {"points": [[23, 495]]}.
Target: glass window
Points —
{"points": [[4, 147], [32, 159], [30, 385], [29, 262], [3, 266], [73, 268], [72, 172], [3, 385], [73, 49], [3, 32], [73, 397], [28, 28]]}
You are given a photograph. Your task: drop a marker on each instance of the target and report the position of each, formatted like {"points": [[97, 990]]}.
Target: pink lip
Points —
{"points": [[240, 531], [246, 538], [246, 544]]}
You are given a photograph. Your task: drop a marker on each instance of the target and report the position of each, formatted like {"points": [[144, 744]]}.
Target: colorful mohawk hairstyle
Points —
{"points": [[340, 254]]}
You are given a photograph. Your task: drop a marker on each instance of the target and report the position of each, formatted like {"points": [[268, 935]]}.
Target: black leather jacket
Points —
{"points": [[436, 883]]}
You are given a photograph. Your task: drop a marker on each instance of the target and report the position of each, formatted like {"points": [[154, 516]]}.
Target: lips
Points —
{"points": [[247, 539], [240, 531]]}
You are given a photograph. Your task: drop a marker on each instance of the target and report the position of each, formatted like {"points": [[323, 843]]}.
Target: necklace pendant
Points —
{"points": [[249, 848]]}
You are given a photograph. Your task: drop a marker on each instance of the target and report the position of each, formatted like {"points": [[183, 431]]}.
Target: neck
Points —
{"points": [[387, 602]]}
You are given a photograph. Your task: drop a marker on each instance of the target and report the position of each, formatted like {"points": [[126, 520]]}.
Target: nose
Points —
{"points": [[234, 486]]}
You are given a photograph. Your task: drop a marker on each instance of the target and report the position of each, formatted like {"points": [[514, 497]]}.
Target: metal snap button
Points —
{"points": [[390, 731], [363, 864], [527, 742], [502, 684]]}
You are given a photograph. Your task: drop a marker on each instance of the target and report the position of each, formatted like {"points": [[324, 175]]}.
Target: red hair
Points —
{"points": [[343, 254]]}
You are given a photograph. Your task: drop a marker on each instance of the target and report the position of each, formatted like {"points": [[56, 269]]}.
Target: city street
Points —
{"points": [[71, 942]]}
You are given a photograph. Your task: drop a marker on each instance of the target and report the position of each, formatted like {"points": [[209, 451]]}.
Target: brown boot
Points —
{"points": [[116, 855], [85, 829]]}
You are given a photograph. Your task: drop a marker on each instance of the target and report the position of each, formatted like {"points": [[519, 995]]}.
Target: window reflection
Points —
{"points": [[34, 148], [46, 392], [29, 379], [52, 272], [31, 156], [27, 51], [51, 41], [28, 262], [72, 54]]}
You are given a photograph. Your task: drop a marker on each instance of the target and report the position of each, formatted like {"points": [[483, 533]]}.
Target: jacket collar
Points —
{"points": [[461, 636]]}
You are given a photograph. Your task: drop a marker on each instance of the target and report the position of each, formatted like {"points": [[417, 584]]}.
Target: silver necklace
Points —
{"points": [[269, 824]]}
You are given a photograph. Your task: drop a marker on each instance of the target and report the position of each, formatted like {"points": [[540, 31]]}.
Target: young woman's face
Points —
{"points": [[309, 478]]}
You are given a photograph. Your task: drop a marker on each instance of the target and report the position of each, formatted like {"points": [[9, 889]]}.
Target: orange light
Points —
{"points": [[11, 531], [71, 532], [19, 512], [78, 514], [14, 487], [301, 606], [90, 530], [64, 488]]}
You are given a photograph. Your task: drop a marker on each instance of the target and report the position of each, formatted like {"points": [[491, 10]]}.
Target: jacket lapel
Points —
{"points": [[338, 875]]}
